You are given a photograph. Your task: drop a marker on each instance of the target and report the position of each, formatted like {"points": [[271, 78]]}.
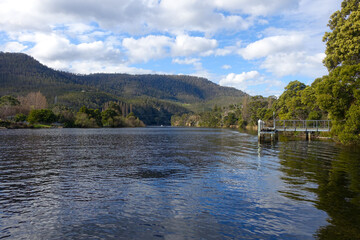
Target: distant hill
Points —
{"points": [[165, 95]]}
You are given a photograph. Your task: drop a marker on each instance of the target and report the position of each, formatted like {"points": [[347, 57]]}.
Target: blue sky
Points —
{"points": [[257, 46]]}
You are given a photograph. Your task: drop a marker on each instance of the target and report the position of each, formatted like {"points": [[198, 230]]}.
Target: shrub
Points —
{"points": [[41, 116]]}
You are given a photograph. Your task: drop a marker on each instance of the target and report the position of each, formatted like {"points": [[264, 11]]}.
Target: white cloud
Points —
{"points": [[272, 45], [146, 48], [17, 15], [198, 67], [294, 63], [57, 47], [192, 61], [140, 16], [187, 61], [93, 66], [58, 52], [253, 83], [226, 66], [313, 14], [241, 81], [186, 46], [155, 47], [13, 47], [257, 7], [195, 15], [79, 28]]}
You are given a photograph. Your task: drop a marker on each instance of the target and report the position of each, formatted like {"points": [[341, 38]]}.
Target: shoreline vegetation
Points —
{"points": [[32, 111], [243, 117]]}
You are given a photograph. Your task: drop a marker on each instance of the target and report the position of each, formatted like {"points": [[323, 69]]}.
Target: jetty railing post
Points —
{"points": [[284, 125]]}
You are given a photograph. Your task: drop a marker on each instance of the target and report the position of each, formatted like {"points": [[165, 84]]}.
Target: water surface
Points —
{"points": [[174, 183]]}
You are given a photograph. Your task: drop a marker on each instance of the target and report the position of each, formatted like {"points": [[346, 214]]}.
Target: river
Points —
{"points": [[174, 183]]}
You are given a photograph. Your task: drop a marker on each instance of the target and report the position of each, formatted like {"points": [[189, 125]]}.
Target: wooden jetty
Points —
{"points": [[271, 130]]}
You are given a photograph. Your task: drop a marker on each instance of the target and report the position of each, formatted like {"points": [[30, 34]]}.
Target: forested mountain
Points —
{"points": [[156, 97]]}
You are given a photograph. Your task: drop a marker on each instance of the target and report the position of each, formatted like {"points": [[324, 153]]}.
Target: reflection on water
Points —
{"points": [[333, 176], [174, 183]]}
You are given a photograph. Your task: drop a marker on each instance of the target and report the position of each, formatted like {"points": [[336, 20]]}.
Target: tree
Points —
{"points": [[257, 109], [87, 117], [8, 100], [65, 116], [343, 43], [339, 94], [9, 106], [20, 117], [83, 120], [109, 118], [34, 100], [41, 116], [290, 104]]}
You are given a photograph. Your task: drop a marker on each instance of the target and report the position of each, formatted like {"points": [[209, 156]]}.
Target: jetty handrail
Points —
{"points": [[295, 125]]}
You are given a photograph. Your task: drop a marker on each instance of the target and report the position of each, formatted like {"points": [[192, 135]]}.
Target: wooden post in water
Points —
{"points": [[259, 130], [308, 136], [261, 137]]}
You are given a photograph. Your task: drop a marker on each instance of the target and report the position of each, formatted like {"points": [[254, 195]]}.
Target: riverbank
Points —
{"points": [[25, 125]]}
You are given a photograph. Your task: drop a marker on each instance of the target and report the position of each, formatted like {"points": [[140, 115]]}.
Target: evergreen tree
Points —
{"points": [[343, 42]]}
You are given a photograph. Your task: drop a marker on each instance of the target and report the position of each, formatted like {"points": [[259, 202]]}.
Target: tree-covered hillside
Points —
{"points": [[155, 97], [179, 88]]}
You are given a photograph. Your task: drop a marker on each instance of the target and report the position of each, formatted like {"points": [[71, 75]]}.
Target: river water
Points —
{"points": [[174, 183]]}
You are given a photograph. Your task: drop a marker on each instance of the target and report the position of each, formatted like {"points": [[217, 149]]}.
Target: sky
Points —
{"points": [[257, 46]]}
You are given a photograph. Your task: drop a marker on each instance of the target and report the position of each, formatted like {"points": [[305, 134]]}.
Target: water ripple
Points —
{"points": [[159, 183]]}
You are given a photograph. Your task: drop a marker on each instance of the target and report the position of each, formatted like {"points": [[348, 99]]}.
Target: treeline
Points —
{"points": [[32, 111], [238, 115], [334, 97]]}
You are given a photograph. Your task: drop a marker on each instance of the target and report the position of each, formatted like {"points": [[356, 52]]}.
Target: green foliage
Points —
{"points": [[85, 121], [233, 118], [89, 118], [290, 104], [218, 117], [91, 99], [9, 101], [20, 117], [210, 119], [257, 108], [41, 116], [343, 42], [339, 93], [156, 112], [111, 118], [133, 121], [65, 116], [4, 123], [131, 115]]}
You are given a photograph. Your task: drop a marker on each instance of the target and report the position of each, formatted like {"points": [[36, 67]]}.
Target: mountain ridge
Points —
{"points": [[21, 74]]}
